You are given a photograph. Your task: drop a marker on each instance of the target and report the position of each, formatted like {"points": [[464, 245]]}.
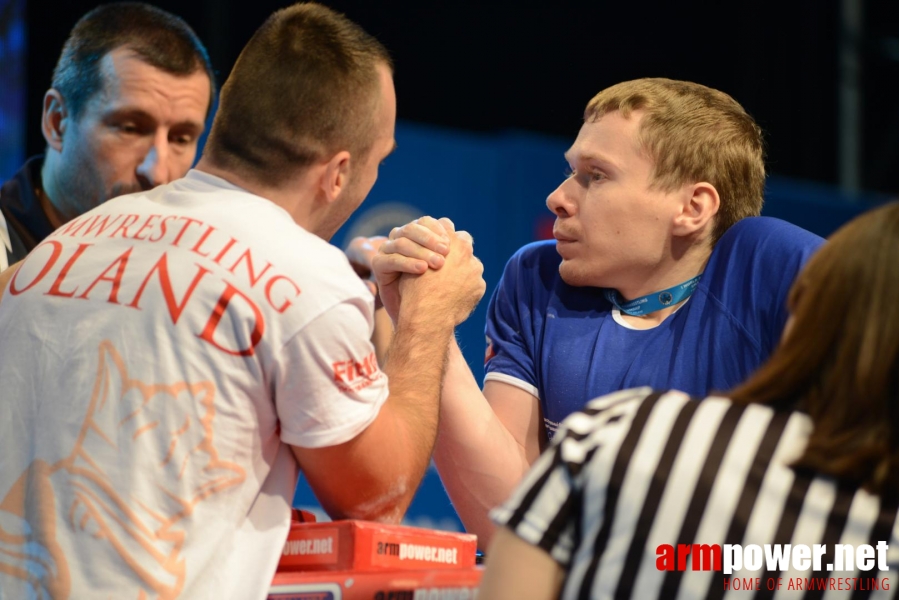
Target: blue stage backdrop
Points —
{"points": [[495, 187], [12, 86]]}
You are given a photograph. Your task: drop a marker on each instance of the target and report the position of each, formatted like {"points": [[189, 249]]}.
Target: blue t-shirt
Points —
{"points": [[567, 345]]}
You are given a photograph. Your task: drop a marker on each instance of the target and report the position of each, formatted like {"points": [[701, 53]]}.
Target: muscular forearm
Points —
{"points": [[421, 339], [385, 463], [479, 461], [382, 335]]}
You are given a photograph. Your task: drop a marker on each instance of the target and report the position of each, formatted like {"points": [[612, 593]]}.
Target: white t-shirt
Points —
{"points": [[157, 355]]}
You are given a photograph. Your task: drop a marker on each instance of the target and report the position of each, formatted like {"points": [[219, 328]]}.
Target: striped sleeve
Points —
{"points": [[545, 509]]}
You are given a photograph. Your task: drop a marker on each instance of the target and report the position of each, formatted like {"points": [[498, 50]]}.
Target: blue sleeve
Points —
{"points": [[514, 316]]}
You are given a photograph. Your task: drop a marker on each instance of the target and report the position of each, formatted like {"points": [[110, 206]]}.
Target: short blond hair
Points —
{"points": [[694, 133]]}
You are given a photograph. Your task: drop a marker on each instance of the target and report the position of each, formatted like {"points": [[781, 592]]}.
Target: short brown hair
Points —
{"points": [[305, 86], [694, 133], [159, 38], [840, 361]]}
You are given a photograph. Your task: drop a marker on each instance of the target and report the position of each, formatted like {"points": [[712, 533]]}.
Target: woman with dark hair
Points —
{"points": [[652, 495]]}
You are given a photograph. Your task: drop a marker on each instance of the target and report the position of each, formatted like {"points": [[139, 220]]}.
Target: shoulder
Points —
{"points": [[617, 407], [653, 415], [534, 262], [767, 235], [763, 250], [530, 277], [326, 265], [264, 238], [535, 254]]}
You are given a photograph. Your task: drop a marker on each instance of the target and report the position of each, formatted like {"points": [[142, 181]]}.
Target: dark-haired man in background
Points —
{"points": [[128, 102]]}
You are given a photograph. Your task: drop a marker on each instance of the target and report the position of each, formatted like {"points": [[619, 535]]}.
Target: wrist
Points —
{"points": [[423, 314]]}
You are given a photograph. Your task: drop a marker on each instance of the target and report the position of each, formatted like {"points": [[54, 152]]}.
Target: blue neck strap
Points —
{"points": [[650, 303]]}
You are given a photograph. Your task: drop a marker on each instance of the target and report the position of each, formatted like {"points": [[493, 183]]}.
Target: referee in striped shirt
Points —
{"points": [[804, 453]]}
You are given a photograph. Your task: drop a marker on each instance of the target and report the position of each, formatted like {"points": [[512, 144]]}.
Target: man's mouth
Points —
{"points": [[563, 238]]}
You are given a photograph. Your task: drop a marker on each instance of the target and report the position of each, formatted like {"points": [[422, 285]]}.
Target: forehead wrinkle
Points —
{"points": [[150, 86]]}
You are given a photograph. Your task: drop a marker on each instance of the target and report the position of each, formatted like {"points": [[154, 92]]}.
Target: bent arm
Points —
{"points": [[381, 467], [486, 443], [375, 475]]}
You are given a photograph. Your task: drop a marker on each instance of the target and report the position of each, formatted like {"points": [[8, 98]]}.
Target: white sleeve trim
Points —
{"points": [[513, 381]]}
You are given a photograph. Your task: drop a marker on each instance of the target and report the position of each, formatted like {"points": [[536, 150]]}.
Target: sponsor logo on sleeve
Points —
{"points": [[353, 376]]}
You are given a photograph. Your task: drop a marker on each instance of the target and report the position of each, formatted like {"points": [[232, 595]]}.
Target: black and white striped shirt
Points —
{"points": [[637, 469]]}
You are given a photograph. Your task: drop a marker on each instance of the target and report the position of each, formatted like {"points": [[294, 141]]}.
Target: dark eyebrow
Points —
{"points": [[141, 115]]}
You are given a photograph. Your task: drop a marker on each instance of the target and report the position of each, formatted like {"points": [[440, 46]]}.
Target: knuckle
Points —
{"points": [[403, 245]]}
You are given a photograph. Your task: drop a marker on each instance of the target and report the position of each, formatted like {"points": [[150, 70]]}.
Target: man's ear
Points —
{"points": [[701, 203], [336, 175], [54, 119]]}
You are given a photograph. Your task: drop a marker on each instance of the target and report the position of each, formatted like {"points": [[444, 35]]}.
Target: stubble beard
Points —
{"points": [[83, 189]]}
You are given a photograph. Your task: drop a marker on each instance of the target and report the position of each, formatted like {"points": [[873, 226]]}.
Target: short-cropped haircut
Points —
{"points": [[305, 87]]}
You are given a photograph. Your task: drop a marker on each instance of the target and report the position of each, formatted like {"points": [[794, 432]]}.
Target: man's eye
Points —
{"points": [[183, 140], [127, 127], [597, 176]]}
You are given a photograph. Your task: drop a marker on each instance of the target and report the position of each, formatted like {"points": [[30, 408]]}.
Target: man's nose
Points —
{"points": [[559, 202], [154, 169]]}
